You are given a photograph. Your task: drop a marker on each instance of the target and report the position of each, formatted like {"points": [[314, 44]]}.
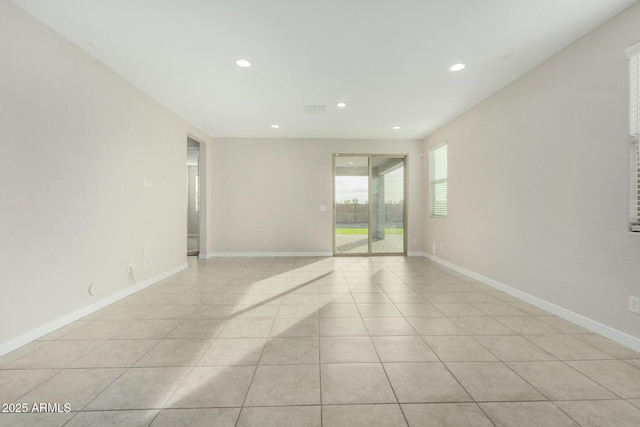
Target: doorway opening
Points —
{"points": [[369, 199], [193, 197]]}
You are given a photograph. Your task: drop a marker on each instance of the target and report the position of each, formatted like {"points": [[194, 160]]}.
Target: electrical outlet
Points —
{"points": [[145, 261], [634, 305], [264, 241]]}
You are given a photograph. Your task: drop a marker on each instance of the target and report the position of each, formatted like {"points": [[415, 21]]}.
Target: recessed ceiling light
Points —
{"points": [[275, 126], [243, 63], [341, 105], [395, 127], [457, 67]]}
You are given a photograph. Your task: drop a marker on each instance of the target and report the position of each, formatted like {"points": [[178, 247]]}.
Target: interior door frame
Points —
{"points": [[405, 192], [202, 181]]}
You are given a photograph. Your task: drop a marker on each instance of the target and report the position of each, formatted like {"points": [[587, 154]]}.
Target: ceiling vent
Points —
{"points": [[314, 109]]}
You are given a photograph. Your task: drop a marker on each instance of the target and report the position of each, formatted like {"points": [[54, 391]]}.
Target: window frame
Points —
{"points": [[433, 182], [633, 55]]}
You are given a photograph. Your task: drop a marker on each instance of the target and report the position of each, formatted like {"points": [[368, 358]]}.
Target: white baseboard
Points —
{"points": [[47, 328], [263, 254], [416, 253], [590, 324], [279, 254]]}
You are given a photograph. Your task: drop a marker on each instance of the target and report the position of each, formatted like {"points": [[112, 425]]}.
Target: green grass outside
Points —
{"points": [[365, 231]]}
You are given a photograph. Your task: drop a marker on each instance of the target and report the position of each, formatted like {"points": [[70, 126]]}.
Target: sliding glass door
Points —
{"points": [[369, 196], [387, 204], [351, 201]]}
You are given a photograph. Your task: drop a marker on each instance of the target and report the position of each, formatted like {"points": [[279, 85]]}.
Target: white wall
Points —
{"points": [[538, 182], [273, 188], [76, 142]]}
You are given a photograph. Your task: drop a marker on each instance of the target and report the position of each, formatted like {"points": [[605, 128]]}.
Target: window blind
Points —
{"points": [[635, 182], [633, 53], [438, 180]]}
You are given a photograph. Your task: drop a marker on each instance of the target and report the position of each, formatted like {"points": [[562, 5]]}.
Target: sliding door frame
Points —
{"points": [[405, 202]]}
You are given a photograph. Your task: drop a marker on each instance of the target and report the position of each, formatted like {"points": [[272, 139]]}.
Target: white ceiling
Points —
{"points": [[387, 59]]}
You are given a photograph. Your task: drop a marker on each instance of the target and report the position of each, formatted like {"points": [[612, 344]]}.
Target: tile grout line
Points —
{"points": [[384, 369], [474, 401], [192, 368], [255, 370]]}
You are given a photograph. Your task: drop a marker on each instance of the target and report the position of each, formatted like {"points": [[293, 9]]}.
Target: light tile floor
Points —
{"points": [[382, 341]]}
